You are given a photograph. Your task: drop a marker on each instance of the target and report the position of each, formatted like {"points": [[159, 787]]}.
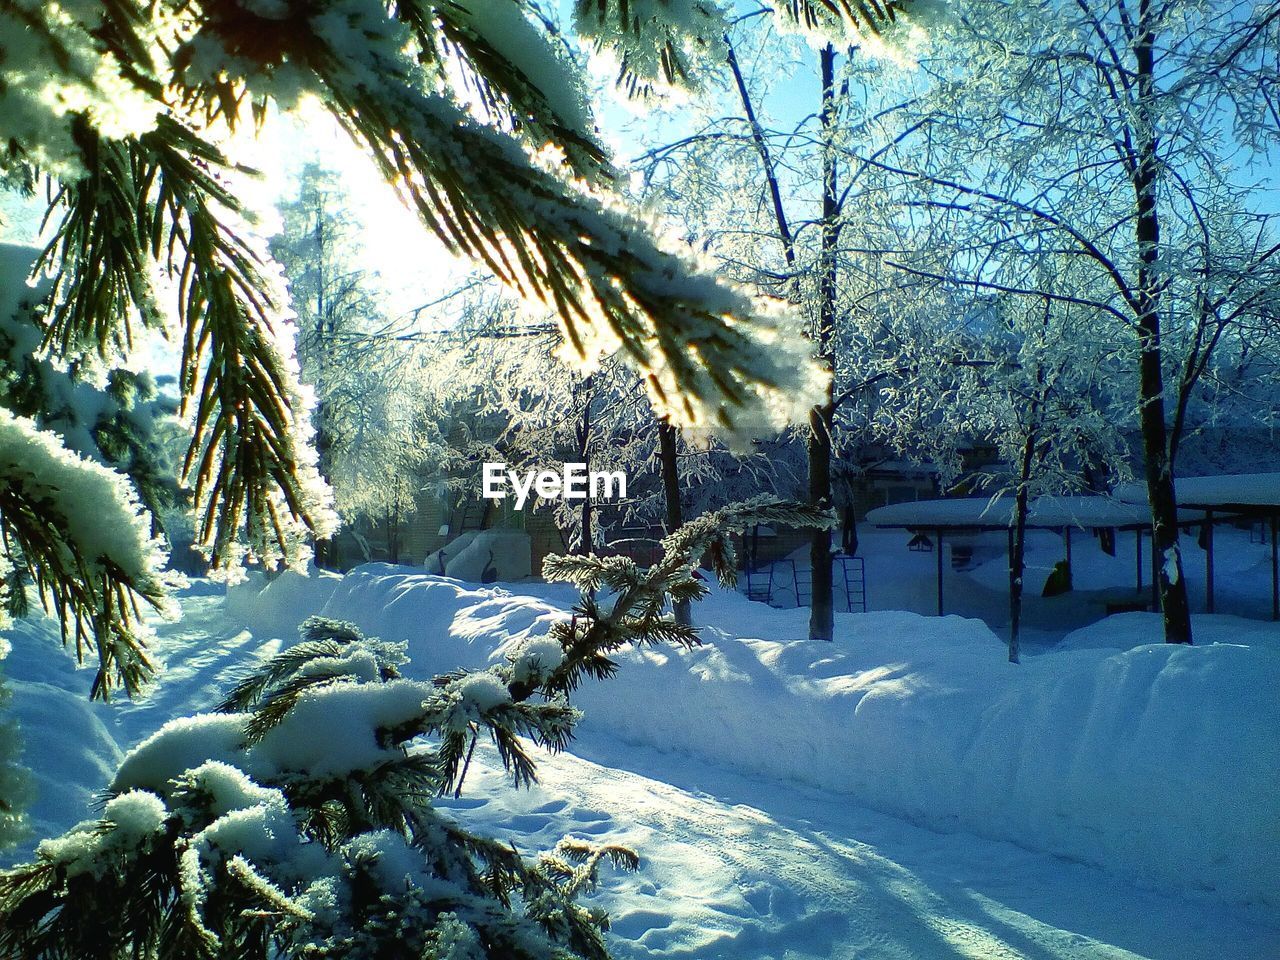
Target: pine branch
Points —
{"points": [[450, 38], [635, 616], [251, 477], [699, 341], [156, 202], [96, 601]]}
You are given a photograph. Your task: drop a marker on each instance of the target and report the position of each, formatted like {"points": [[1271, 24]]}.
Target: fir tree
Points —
{"points": [[297, 821]]}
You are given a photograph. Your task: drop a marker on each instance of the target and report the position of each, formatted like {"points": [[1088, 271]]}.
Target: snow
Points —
{"points": [[258, 603], [737, 867], [482, 692], [747, 773], [138, 813], [1048, 512], [181, 744], [16, 261], [329, 731], [1124, 631], [1227, 490], [438, 562], [94, 505], [536, 657], [921, 718], [492, 555], [261, 831], [504, 27]]}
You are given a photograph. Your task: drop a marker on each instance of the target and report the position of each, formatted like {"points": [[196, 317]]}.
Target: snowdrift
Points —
{"points": [[1154, 762], [271, 607]]}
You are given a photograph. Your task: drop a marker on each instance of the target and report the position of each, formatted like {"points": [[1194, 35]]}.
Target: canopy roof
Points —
{"points": [[1243, 492], [981, 513]]}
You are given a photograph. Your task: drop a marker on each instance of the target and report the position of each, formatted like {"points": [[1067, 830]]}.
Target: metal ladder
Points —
{"points": [[799, 583], [760, 585], [855, 581]]}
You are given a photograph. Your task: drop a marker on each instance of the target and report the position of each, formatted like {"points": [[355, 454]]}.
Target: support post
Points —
{"points": [[1208, 561], [939, 541], [1137, 544], [1275, 567], [1066, 537]]}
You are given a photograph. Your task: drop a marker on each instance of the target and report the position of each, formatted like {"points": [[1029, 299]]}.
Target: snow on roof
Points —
{"points": [[1227, 490], [909, 467], [982, 512]]}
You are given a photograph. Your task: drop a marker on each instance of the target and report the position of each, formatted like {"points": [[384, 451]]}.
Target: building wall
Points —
{"points": [[434, 524]]}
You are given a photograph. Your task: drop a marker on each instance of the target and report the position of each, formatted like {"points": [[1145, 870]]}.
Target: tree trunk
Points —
{"points": [[821, 614], [325, 554], [822, 605], [1018, 545], [671, 495], [1171, 584], [393, 534], [586, 546], [323, 440]]}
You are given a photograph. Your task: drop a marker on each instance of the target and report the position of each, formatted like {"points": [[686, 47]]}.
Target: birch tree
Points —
{"points": [[791, 210], [1115, 133]]}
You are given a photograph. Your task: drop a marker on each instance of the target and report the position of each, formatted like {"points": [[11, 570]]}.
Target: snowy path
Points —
{"points": [[735, 868]]}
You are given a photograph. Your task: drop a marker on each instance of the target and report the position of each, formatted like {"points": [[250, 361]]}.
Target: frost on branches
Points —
{"points": [[660, 45], [77, 530], [297, 819], [489, 139]]}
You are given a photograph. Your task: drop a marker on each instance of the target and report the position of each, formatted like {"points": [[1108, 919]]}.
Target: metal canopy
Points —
{"points": [[1255, 495], [1045, 513], [959, 515]]}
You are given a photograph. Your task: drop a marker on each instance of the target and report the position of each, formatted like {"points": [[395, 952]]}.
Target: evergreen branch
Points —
{"points": [[95, 600], [251, 478], [838, 18], [568, 245], [576, 863], [97, 255], [156, 201], [635, 615], [450, 36]]}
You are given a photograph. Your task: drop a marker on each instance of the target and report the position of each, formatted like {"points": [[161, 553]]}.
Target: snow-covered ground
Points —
{"points": [[902, 792]]}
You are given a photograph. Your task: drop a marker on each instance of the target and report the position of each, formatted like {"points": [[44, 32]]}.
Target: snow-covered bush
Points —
{"points": [[297, 819]]}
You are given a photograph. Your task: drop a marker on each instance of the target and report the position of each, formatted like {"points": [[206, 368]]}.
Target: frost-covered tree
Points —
{"points": [[781, 207], [493, 389], [1032, 379], [358, 360], [297, 820], [1119, 134]]}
